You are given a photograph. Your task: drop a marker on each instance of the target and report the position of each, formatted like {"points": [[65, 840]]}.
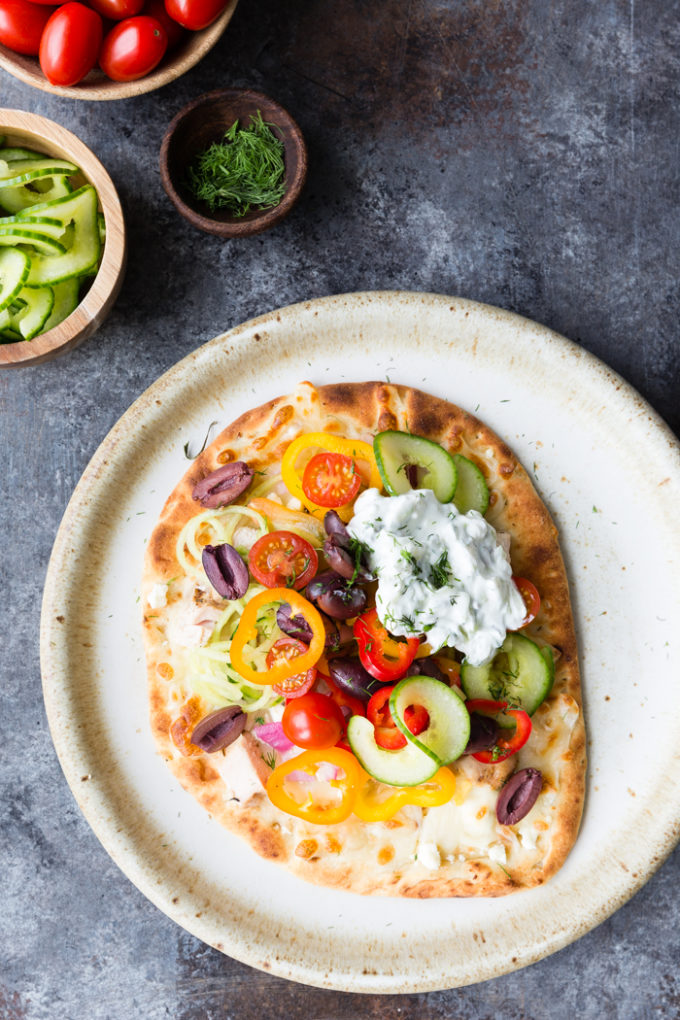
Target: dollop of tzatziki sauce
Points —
{"points": [[440, 573]]}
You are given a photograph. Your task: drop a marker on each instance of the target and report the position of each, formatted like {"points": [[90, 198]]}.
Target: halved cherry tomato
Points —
{"points": [[313, 721], [116, 10], [505, 746], [133, 48], [70, 44], [21, 25], [385, 657], [288, 649], [331, 479], [195, 14], [387, 734], [532, 600], [283, 559]]}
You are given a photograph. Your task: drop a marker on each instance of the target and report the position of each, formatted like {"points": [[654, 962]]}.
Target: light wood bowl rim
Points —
{"points": [[50, 137], [96, 86]]}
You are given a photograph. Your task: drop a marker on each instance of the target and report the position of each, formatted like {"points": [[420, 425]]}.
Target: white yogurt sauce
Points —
{"points": [[440, 573]]}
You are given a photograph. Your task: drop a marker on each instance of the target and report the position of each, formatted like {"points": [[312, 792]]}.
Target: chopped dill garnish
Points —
{"points": [[244, 171], [439, 572]]}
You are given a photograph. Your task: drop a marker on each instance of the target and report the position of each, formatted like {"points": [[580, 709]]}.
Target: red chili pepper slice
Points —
{"points": [[387, 734], [385, 657], [505, 746]]}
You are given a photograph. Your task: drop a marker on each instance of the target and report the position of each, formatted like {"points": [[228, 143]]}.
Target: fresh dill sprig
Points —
{"points": [[243, 171]]}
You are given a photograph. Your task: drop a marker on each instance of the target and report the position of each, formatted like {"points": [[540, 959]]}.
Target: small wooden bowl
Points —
{"points": [[205, 121], [97, 86], [34, 132]]}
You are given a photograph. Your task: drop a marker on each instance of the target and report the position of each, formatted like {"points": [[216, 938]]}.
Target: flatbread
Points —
{"points": [[458, 849]]}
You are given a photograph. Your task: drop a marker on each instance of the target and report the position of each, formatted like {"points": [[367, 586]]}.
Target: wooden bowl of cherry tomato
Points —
{"points": [[107, 49]]}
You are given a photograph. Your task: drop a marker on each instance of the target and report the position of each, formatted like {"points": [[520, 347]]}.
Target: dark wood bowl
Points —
{"points": [[205, 121]]}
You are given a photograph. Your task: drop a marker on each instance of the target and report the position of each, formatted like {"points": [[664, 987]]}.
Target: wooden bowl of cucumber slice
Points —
{"points": [[62, 240]]}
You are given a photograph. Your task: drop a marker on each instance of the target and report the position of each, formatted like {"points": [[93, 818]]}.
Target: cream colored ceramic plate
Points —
{"points": [[610, 472]]}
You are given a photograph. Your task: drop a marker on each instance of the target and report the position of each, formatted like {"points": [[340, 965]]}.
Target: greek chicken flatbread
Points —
{"points": [[360, 646]]}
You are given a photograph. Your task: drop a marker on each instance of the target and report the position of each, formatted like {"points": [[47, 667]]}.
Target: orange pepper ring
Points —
{"points": [[306, 762], [247, 630]]}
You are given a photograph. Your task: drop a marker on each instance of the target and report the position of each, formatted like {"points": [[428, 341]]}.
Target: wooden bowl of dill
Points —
{"points": [[233, 162]]}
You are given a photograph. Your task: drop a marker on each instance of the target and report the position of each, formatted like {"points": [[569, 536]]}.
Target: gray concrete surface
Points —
{"points": [[523, 153]]}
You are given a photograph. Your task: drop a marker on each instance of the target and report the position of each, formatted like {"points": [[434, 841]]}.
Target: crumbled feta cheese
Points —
{"points": [[428, 856], [497, 853], [158, 596]]}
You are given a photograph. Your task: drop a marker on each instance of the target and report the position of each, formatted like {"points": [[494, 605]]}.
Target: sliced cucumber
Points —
{"points": [[41, 242], [404, 459], [448, 731], [24, 171], [37, 305], [472, 492], [66, 300], [45, 224], [78, 212], [26, 196], [10, 336], [520, 673], [409, 766], [11, 154], [15, 266]]}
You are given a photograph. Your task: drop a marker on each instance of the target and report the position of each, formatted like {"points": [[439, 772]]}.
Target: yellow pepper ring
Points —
{"points": [[438, 790], [247, 631], [354, 448], [322, 814]]}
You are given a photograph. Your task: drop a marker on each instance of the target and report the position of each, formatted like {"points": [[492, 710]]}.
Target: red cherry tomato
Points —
{"points": [[282, 559], [133, 48], [21, 25], [532, 600], [156, 9], [195, 14], [70, 43], [331, 479], [289, 648], [116, 10], [49, 3], [313, 721]]}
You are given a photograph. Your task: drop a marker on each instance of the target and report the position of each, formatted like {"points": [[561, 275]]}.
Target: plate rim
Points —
{"points": [[375, 983]]}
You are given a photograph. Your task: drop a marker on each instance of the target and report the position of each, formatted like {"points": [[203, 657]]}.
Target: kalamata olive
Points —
{"points": [[351, 677], [224, 485], [335, 596], [337, 634], [483, 733], [518, 796], [411, 472], [426, 667], [335, 528], [225, 570], [339, 559], [294, 626], [219, 729]]}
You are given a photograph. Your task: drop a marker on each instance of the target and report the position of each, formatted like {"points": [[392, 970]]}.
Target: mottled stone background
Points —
{"points": [[520, 152]]}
